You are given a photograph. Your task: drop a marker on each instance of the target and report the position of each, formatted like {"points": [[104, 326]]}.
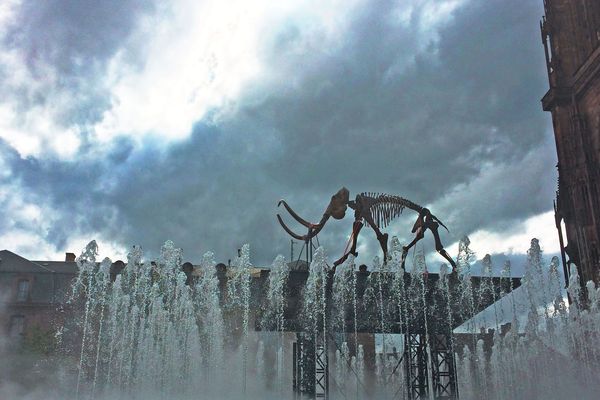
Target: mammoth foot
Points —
{"points": [[344, 257]]}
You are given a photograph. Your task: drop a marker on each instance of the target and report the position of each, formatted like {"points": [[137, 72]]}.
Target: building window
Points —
{"points": [[17, 325], [23, 290]]}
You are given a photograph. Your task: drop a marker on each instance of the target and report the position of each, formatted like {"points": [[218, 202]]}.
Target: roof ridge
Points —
{"points": [[27, 260]]}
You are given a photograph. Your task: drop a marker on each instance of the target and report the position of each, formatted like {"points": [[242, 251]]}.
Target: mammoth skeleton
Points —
{"points": [[377, 210]]}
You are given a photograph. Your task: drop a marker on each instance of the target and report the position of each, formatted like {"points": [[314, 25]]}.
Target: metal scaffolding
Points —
{"points": [[443, 367], [415, 354], [310, 368], [321, 370]]}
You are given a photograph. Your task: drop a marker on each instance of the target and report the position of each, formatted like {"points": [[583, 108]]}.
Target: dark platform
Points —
{"points": [[422, 298]]}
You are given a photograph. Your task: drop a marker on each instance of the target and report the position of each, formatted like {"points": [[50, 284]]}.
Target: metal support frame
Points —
{"points": [[295, 368], [304, 367], [307, 250], [415, 354], [443, 367], [310, 368], [321, 370]]}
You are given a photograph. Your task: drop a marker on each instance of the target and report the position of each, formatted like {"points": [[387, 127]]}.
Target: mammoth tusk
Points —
{"points": [[313, 230], [317, 228], [296, 216], [289, 231]]}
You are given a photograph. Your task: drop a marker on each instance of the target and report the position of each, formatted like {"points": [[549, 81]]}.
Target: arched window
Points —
{"points": [[23, 290]]}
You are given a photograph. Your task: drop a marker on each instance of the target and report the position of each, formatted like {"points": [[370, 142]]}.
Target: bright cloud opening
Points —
{"points": [[518, 241]]}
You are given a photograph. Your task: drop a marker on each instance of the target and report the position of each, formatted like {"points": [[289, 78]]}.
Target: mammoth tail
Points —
{"points": [[441, 223]]}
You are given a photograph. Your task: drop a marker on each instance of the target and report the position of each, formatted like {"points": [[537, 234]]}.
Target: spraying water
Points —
{"points": [[153, 332]]}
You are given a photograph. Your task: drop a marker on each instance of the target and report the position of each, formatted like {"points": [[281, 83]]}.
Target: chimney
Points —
{"points": [[69, 257]]}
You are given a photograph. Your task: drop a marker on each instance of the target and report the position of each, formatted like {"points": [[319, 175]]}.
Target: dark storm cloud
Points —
{"points": [[73, 35], [74, 190], [73, 39], [455, 123], [460, 120], [473, 96]]}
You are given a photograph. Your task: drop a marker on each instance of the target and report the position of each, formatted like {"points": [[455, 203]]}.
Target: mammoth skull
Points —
{"points": [[337, 209]]}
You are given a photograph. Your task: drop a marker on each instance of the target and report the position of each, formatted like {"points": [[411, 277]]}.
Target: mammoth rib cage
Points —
{"points": [[384, 207]]}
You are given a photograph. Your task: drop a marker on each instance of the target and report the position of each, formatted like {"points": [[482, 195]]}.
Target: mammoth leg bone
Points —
{"points": [[438, 243], [444, 254], [440, 248], [420, 235], [381, 237], [356, 227]]}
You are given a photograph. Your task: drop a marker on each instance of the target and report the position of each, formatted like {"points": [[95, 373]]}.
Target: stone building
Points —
{"points": [[571, 39], [32, 292]]}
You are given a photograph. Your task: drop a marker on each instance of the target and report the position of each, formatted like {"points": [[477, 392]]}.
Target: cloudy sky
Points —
{"points": [[135, 123]]}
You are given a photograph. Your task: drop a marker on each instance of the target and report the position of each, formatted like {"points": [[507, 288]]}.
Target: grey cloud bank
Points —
{"points": [[454, 122]]}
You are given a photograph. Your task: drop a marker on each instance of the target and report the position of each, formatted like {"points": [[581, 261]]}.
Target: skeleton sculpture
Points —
{"points": [[378, 210]]}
